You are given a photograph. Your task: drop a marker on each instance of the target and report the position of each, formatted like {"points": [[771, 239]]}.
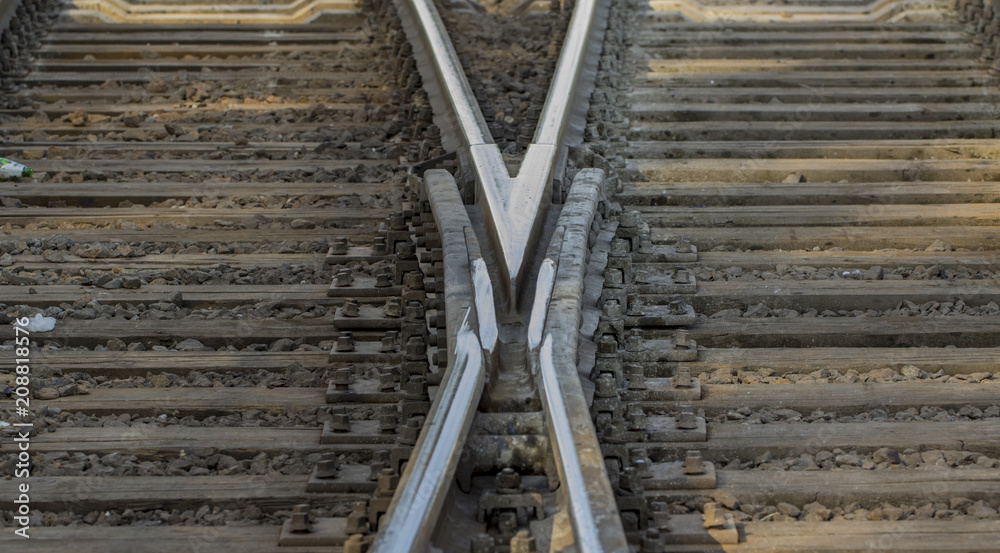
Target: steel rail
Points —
{"points": [[416, 505], [587, 538], [514, 207], [425, 482], [592, 506]]}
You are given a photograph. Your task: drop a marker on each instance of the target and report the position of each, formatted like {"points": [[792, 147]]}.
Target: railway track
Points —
{"points": [[313, 291], [834, 173], [215, 210]]}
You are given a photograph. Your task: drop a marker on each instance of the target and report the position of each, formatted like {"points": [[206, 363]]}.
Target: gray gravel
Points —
{"points": [[877, 272], [166, 310], [908, 373], [122, 465], [49, 419], [58, 243], [903, 309], [509, 61], [745, 415], [204, 516], [957, 508], [882, 458]]}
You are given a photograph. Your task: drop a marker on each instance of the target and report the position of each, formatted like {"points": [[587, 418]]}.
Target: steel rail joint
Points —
{"points": [[429, 474], [514, 207], [597, 525]]}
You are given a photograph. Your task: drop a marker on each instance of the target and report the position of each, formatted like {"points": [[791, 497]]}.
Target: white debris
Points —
{"points": [[539, 310], [485, 308], [40, 323], [4, 424]]}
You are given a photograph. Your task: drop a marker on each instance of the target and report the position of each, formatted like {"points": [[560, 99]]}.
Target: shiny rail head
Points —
{"points": [[563, 115], [456, 111], [430, 471], [485, 307], [539, 309], [514, 207], [581, 514]]}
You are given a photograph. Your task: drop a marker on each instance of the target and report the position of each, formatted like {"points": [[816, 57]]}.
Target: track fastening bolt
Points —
{"points": [[682, 338], [380, 460], [508, 481], [339, 246], [693, 463], [344, 277], [350, 309], [686, 419], [387, 482], [340, 423], [300, 519], [389, 341], [328, 466], [342, 379], [345, 342], [683, 378], [636, 377]]}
